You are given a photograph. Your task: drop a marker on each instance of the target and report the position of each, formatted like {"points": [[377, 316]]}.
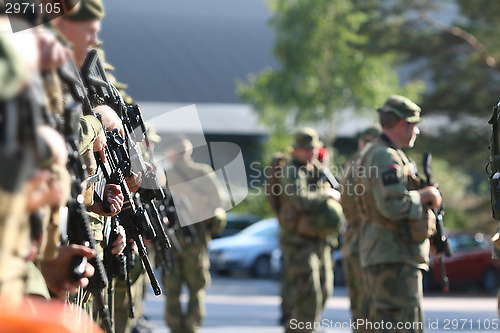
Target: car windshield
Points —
{"points": [[265, 228], [467, 242]]}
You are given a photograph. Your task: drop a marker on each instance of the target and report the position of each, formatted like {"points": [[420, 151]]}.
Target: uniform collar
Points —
{"points": [[387, 141]]}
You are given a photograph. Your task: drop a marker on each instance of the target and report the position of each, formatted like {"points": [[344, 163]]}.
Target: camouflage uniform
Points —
{"points": [[306, 247], [350, 242], [351, 262], [190, 263], [394, 239]]}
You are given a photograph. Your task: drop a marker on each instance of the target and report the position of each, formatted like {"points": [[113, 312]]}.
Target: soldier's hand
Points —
{"points": [[110, 119], [52, 53], [120, 242], [431, 196], [333, 193], [115, 197], [56, 271], [134, 182], [99, 145]]}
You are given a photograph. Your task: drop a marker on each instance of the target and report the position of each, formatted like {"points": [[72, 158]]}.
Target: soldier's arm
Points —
{"points": [[304, 198], [392, 198]]}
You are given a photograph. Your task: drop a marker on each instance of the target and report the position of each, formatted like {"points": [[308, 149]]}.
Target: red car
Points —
{"points": [[470, 262]]}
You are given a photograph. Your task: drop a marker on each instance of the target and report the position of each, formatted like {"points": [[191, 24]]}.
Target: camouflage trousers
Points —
{"points": [[15, 244], [286, 297], [191, 267], [310, 273], [355, 281], [123, 323], [396, 296]]}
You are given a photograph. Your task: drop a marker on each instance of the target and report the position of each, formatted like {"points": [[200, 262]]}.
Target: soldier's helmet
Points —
{"points": [[306, 137]]}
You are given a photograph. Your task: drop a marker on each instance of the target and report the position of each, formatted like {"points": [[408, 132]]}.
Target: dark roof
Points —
{"points": [[189, 51]]}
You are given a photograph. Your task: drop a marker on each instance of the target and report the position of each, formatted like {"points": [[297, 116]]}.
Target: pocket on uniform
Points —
{"points": [[423, 227]]}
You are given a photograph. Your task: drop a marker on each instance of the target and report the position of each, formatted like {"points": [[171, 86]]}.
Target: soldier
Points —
{"points": [[29, 55], [198, 198], [310, 217], [350, 241], [394, 243]]}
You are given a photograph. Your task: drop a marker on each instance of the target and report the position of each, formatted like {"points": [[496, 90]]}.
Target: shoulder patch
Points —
{"points": [[390, 177]]}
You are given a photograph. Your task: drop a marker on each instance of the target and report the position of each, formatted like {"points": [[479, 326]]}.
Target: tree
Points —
{"points": [[324, 66]]}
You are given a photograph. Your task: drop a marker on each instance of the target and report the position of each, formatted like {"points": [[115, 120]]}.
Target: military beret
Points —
{"points": [[306, 137], [402, 107], [89, 10]]}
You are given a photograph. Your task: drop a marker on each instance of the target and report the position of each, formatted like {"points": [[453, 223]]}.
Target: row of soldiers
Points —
{"points": [[392, 214], [82, 201]]}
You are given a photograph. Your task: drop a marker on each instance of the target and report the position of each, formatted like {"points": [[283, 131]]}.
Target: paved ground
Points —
{"points": [[241, 304]]}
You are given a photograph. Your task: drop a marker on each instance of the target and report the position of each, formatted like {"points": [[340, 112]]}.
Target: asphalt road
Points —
{"points": [[246, 305]]}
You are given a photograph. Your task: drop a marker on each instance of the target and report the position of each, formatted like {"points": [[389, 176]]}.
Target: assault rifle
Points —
{"points": [[101, 91], [439, 239], [78, 225], [135, 221], [117, 266]]}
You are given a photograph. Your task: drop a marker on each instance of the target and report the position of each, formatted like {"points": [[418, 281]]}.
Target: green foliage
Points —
{"points": [[323, 65], [339, 54], [255, 203]]}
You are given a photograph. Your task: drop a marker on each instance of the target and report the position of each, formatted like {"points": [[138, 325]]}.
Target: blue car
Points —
{"points": [[249, 250]]}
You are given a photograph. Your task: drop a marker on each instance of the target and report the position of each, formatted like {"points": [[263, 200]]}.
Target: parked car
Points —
{"points": [[235, 223], [470, 262], [248, 250]]}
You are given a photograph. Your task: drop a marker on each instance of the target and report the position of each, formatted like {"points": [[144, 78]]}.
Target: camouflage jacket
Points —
{"points": [[197, 195], [352, 212], [389, 207], [302, 199]]}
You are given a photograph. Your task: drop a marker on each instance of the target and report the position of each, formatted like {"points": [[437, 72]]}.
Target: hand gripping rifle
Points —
{"points": [[78, 225], [439, 239], [118, 265], [135, 221], [101, 91]]}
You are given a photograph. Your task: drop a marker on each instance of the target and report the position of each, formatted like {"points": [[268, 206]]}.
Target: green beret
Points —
{"points": [[89, 10], [402, 107], [306, 137]]}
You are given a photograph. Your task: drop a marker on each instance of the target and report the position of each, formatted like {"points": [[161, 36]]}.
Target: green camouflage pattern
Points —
{"points": [[13, 73], [191, 264], [389, 208], [309, 269], [396, 296], [191, 267], [352, 212], [356, 285], [124, 324], [305, 208]]}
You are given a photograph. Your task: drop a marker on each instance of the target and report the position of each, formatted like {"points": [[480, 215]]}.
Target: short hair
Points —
{"points": [[388, 119]]}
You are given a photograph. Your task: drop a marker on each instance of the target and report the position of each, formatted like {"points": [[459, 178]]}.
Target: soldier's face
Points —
{"points": [[82, 36], [305, 155], [410, 132]]}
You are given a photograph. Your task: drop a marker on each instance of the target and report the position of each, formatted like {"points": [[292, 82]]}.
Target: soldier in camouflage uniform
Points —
{"points": [[310, 217], [350, 242], [394, 244], [198, 198]]}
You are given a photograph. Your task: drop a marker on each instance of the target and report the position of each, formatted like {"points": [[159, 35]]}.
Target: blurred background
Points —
{"points": [[258, 69]]}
